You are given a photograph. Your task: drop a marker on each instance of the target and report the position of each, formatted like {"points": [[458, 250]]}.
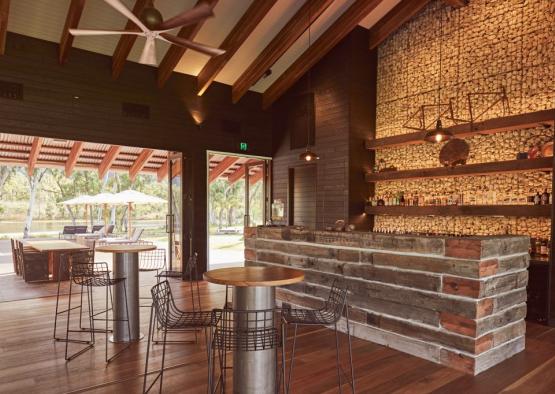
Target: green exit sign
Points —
{"points": [[243, 146]]}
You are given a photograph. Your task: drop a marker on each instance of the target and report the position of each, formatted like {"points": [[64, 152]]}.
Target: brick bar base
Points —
{"points": [[459, 302]]}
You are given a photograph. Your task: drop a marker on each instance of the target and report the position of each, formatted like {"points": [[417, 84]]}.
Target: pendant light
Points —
{"points": [[439, 134], [308, 155]]}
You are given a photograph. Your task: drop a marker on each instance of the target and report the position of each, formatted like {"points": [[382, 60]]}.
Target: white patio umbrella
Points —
{"points": [[85, 200], [104, 199], [130, 197]]}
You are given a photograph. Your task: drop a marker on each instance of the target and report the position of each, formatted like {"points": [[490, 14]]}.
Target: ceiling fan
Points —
{"points": [[152, 26]]}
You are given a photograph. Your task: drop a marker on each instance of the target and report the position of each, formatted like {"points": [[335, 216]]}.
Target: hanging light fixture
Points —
{"points": [[439, 134], [308, 155]]}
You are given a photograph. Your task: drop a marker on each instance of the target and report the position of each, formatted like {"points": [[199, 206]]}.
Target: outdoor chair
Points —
{"points": [[135, 238], [69, 232], [33, 264], [15, 259]]}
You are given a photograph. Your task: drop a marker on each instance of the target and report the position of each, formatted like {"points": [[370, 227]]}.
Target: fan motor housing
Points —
{"points": [[151, 17]]}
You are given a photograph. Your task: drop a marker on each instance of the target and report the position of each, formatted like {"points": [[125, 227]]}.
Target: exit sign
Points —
{"points": [[243, 146]]}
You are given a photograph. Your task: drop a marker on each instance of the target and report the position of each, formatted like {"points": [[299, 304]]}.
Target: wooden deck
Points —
{"points": [[31, 362]]}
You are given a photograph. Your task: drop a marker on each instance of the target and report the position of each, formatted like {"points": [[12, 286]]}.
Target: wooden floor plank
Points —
{"points": [[31, 362]]}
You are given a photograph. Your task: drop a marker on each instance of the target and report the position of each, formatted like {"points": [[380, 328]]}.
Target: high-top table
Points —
{"points": [[254, 289], [126, 265], [54, 248]]}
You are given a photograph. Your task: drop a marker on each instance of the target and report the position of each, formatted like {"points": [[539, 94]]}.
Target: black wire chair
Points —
{"points": [[152, 261], [90, 275], [242, 330], [85, 256], [328, 315], [169, 318]]}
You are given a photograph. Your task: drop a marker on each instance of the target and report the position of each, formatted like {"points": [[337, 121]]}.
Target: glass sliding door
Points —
{"points": [[174, 218]]}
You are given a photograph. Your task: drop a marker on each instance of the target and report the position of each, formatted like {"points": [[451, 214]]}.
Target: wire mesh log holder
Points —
{"points": [[89, 275], [166, 316], [243, 331], [86, 256], [329, 315]]}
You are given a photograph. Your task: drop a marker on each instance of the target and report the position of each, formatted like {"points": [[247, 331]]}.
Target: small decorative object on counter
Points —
{"points": [[339, 225], [534, 152], [547, 149], [537, 199], [522, 155], [454, 152], [351, 227]]}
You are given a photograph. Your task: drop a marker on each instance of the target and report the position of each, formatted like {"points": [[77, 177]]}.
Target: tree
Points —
{"points": [[34, 182]]}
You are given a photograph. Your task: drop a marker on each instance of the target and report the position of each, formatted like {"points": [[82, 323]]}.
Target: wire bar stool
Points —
{"points": [[86, 256], [169, 318], [242, 330], [328, 315], [91, 275], [150, 261]]}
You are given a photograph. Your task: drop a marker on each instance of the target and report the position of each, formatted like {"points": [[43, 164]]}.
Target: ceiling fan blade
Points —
{"points": [[86, 32], [149, 52], [189, 17], [183, 42], [119, 6]]}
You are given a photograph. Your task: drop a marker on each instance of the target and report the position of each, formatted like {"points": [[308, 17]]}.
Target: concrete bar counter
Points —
{"points": [[457, 301]]}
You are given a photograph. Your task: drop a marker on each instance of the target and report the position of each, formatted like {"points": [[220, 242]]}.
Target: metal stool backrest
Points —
{"points": [[250, 330], [152, 260], [333, 308], [164, 304], [88, 273]]}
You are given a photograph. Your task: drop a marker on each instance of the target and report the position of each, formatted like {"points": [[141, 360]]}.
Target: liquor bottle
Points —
{"points": [[532, 249], [545, 197], [543, 248], [380, 202], [537, 199], [415, 200], [538, 246], [402, 200]]}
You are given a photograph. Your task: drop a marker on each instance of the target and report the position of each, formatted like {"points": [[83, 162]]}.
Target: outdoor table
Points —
{"points": [[254, 289], [126, 265], [54, 248]]}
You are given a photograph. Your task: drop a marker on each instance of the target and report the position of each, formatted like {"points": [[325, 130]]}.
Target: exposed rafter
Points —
{"points": [[162, 171], [34, 155], [456, 3], [239, 173], [255, 177], [222, 167], [4, 12], [329, 39], [175, 53], [74, 154], [279, 45], [176, 168], [394, 19], [240, 32], [72, 22], [140, 162], [108, 160], [126, 41]]}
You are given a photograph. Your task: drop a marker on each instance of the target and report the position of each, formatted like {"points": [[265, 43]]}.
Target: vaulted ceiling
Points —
{"points": [[258, 35]]}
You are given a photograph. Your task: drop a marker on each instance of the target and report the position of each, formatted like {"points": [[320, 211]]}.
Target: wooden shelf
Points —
{"points": [[464, 210], [499, 167], [490, 126]]}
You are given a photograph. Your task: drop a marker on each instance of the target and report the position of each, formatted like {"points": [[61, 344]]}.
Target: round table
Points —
{"points": [[126, 265], [254, 288]]}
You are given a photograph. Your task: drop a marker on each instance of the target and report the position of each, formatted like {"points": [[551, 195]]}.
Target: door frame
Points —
{"points": [[267, 190]]}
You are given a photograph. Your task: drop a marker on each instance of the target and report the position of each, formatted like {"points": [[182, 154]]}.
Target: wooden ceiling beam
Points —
{"points": [[329, 39], [236, 37], [394, 19], [72, 22], [34, 155], [222, 167], [76, 150], [289, 34], [175, 53], [108, 160], [4, 13], [126, 41], [140, 162], [162, 171], [176, 168], [240, 172], [456, 3]]}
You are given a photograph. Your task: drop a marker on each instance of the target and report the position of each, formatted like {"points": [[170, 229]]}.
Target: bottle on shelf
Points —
{"points": [[402, 199], [545, 197], [543, 248], [537, 199]]}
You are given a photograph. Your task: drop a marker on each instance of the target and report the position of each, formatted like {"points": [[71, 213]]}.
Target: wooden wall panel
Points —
{"points": [[49, 109], [303, 195]]}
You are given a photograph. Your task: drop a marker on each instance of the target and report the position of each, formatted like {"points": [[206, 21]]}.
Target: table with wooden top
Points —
{"points": [[126, 265], [54, 248], [254, 289]]}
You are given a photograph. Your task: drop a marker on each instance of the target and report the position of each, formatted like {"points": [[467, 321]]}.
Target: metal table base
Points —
{"points": [[254, 372]]}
